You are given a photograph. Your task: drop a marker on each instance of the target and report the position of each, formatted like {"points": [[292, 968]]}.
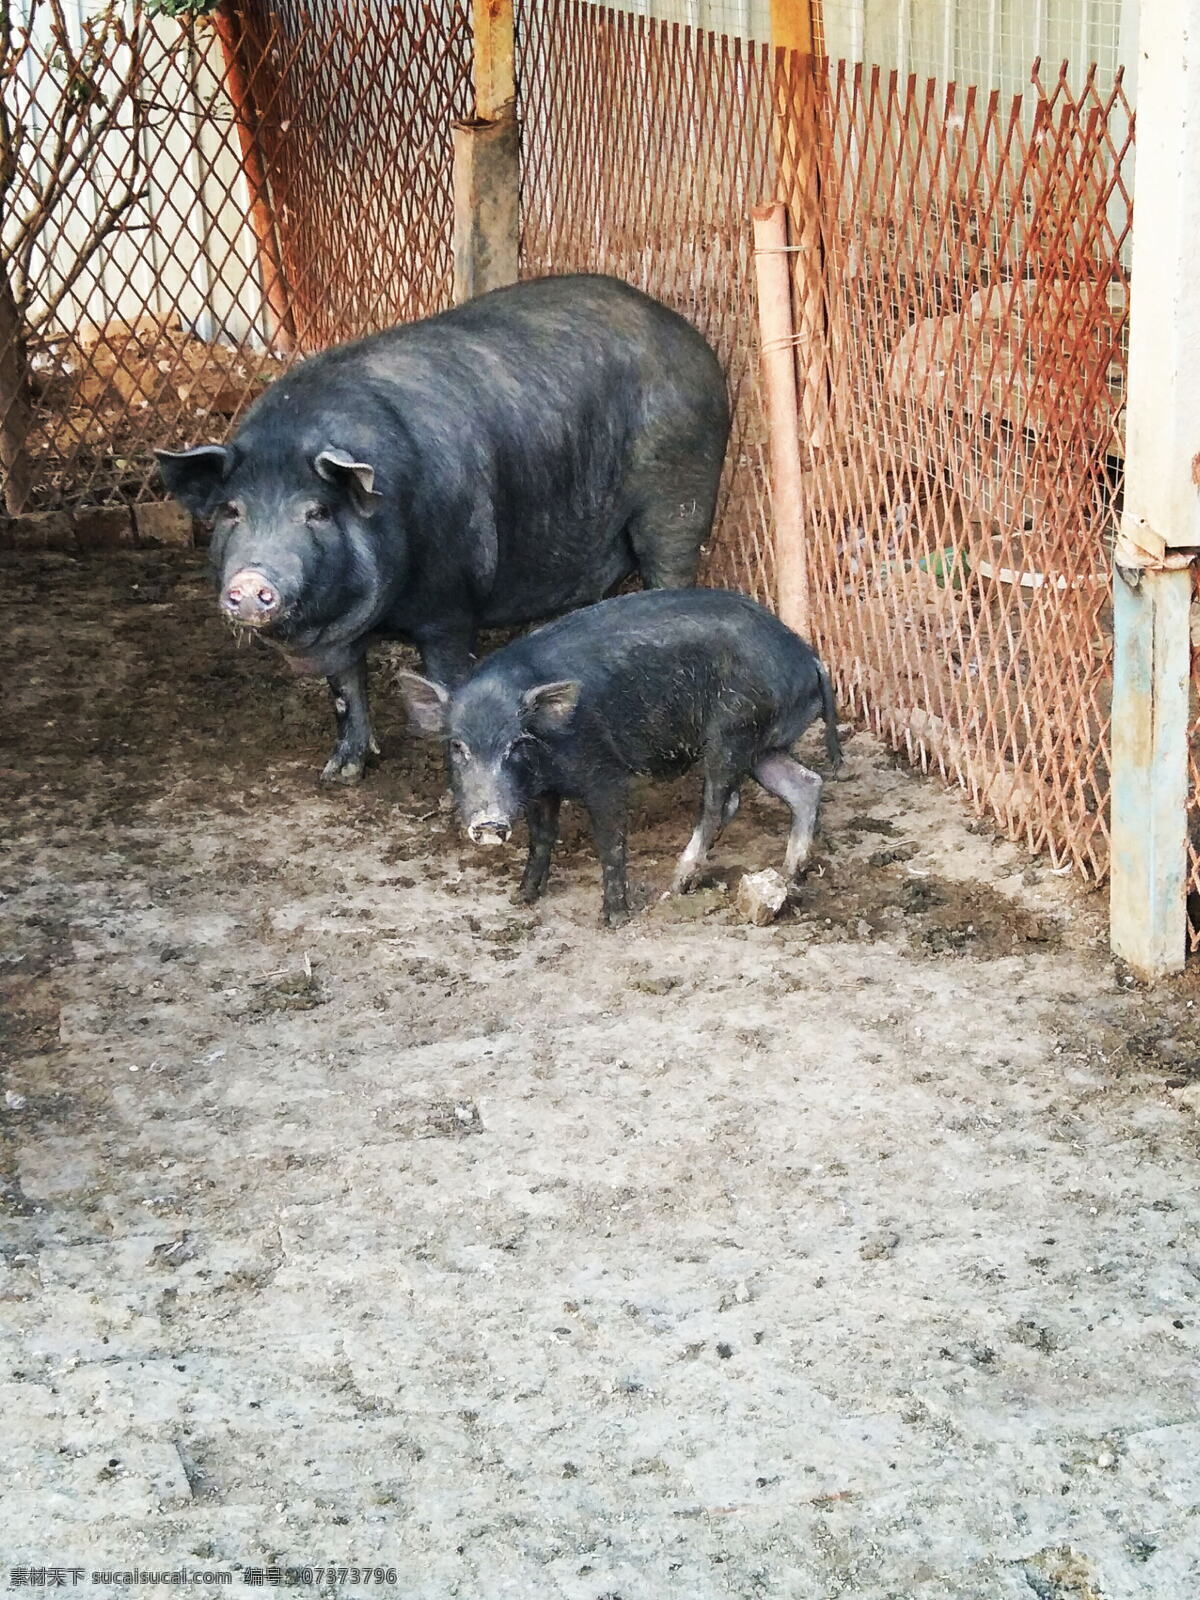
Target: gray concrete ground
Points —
{"points": [[355, 1216]]}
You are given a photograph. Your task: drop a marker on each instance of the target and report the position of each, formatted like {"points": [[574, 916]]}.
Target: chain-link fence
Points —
{"points": [[964, 504], [644, 148], [189, 202], [960, 306]]}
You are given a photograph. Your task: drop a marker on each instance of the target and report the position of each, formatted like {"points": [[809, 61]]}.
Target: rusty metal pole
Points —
{"points": [[1160, 522], [792, 25], [777, 353], [487, 162], [230, 30], [797, 156]]}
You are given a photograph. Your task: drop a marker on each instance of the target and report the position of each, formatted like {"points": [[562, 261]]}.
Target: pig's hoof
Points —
{"points": [[343, 769], [617, 918], [373, 746], [685, 882], [529, 894]]}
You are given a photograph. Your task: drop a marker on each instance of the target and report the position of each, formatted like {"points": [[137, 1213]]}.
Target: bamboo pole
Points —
{"points": [[280, 327], [776, 345]]}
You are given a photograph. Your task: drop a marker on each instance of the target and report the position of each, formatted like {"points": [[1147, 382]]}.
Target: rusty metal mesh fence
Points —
{"points": [[644, 147], [960, 309], [963, 503], [189, 204]]}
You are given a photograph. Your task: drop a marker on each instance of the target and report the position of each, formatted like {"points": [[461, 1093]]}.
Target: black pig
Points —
{"points": [[499, 463], [644, 683]]}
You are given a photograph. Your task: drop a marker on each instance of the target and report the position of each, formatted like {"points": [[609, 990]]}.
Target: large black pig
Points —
{"points": [[644, 683], [494, 465]]}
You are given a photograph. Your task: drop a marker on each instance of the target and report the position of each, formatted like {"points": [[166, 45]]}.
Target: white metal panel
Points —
{"points": [[989, 43], [740, 19]]}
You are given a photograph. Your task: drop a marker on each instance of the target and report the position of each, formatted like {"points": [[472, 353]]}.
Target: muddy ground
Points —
{"points": [[353, 1214]]}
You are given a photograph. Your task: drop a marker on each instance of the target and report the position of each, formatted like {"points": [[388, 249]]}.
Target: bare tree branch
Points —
{"points": [[79, 135], [96, 84]]}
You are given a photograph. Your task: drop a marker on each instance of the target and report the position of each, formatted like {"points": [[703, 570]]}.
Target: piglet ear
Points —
{"points": [[427, 703], [356, 477], [549, 707], [195, 477]]}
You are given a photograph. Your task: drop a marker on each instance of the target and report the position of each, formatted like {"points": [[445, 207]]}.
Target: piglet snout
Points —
{"points": [[488, 831], [250, 598]]}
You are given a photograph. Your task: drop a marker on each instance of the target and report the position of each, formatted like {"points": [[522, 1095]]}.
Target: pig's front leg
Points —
{"points": [[542, 817], [348, 690], [448, 654], [607, 815]]}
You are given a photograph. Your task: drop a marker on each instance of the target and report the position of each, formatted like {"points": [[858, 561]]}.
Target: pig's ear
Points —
{"points": [[195, 477], [356, 477], [427, 703], [550, 706]]}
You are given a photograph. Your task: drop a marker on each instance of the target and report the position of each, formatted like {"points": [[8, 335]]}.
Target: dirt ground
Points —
{"points": [[354, 1215]]}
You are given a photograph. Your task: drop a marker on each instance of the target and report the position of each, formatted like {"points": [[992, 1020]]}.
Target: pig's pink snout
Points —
{"points": [[250, 597]]}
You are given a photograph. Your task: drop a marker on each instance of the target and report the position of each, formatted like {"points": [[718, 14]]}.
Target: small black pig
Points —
{"points": [[497, 464], [643, 683]]}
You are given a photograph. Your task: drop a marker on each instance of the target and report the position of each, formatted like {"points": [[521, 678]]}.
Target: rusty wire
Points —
{"points": [[283, 173], [960, 295], [960, 292]]}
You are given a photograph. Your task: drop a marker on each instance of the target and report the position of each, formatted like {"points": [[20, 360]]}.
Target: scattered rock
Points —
{"points": [[1188, 1097], [163, 524], [876, 1246], [761, 896], [660, 985], [174, 1252], [441, 1119], [40, 530], [1061, 1574], [1033, 1335], [894, 853], [692, 907], [103, 527], [299, 992]]}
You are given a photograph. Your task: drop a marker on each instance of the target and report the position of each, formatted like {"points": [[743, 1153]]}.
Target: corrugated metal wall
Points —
{"points": [[988, 43], [740, 19]]}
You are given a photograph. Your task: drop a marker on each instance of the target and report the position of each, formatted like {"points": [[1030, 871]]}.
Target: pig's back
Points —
{"points": [[657, 627], [658, 668]]}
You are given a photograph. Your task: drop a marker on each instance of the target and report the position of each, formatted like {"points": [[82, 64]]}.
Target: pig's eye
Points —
{"points": [[318, 513], [231, 511], [459, 749]]}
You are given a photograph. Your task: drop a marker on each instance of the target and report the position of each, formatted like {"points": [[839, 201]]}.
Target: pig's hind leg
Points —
{"points": [[800, 790], [348, 691], [542, 816], [721, 800], [672, 522]]}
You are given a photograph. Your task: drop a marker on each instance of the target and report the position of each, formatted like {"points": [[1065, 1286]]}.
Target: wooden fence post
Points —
{"points": [[777, 350], [1160, 522], [487, 162], [792, 25]]}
